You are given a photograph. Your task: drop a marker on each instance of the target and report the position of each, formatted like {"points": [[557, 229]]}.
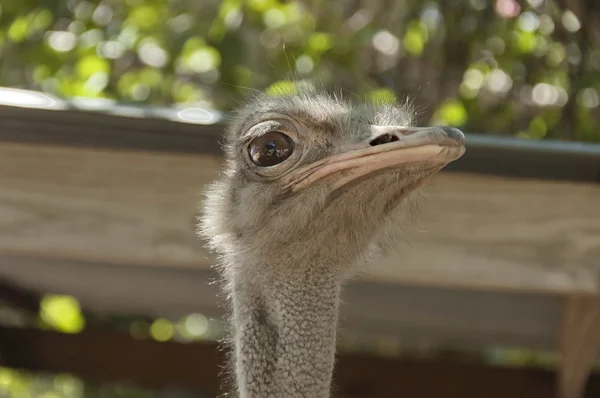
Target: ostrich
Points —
{"points": [[313, 186]]}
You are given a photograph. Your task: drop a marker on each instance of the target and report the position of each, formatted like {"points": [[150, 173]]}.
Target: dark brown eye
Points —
{"points": [[270, 149]]}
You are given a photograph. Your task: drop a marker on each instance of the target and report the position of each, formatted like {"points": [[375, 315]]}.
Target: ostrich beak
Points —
{"points": [[386, 147]]}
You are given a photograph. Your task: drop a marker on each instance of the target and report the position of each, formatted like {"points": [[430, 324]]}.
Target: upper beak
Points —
{"points": [[387, 147], [412, 136]]}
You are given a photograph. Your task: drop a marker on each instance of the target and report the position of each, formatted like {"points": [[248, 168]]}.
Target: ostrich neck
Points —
{"points": [[284, 334]]}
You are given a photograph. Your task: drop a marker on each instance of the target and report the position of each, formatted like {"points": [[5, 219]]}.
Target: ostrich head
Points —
{"points": [[312, 176], [312, 184]]}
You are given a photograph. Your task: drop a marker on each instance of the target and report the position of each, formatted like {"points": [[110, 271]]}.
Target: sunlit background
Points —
{"points": [[529, 69], [525, 68]]}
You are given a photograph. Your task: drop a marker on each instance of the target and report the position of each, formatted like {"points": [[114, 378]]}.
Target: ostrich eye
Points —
{"points": [[270, 149]]}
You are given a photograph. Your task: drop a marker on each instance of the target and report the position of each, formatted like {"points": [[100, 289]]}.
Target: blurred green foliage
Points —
{"points": [[61, 313], [528, 68]]}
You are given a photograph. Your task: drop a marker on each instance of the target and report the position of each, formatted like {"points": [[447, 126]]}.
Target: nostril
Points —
{"points": [[384, 139]]}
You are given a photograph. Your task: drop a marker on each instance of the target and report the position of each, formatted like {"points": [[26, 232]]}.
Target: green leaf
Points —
{"points": [[202, 60], [42, 19], [556, 54], [415, 38], [281, 88], [18, 30], [62, 312], [382, 96], [126, 82], [184, 92], [191, 45], [262, 5], [414, 43], [41, 72], [319, 42], [69, 386], [144, 17], [162, 330], [538, 128], [452, 112], [91, 64], [526, 41], [151, 76]]}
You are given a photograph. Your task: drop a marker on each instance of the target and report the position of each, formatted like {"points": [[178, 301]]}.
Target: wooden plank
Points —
{"points": [[579, 344], [101, 205], [101, 356], [113, 126], [502, 233], [415, 315], [123, 128], [138, 208]]}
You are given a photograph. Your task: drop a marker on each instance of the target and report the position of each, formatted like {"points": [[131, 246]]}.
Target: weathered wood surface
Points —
{"points": [[579, 344], [138, 208]]}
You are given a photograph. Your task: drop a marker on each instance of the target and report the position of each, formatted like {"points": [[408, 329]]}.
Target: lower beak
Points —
{"points": [[387, 147]]}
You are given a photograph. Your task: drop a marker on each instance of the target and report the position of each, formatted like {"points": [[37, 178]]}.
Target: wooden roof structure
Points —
{"points": [[102, 205]]}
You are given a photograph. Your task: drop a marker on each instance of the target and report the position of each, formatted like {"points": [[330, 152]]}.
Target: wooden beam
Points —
{"points": [[579, 344], [104, 356], [147, 130], [138, 208], [113, 126]]}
